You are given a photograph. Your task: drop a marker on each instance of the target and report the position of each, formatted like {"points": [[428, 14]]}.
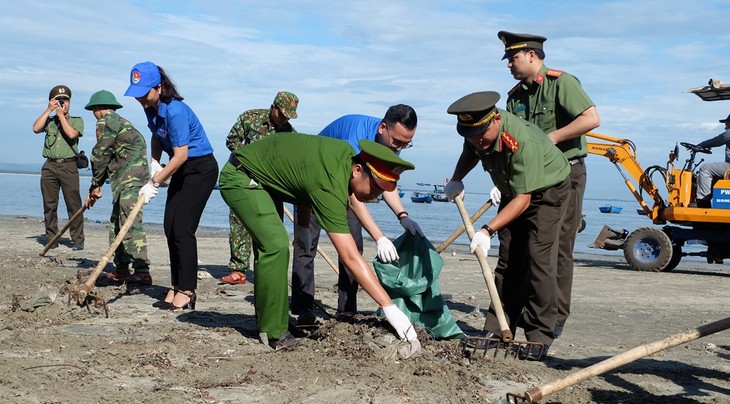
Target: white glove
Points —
{"points": [[411, 225], [453, 189], [400, 322], [480, 240], [148, 191], [386, 250], [156, 167], [495, 195]]}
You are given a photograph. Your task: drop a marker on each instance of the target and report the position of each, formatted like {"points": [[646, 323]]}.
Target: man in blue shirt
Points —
{"points": [[396, 131]]}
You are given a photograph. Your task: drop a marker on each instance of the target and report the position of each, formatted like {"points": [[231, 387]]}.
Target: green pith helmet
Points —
{"points": [[104, 98]]}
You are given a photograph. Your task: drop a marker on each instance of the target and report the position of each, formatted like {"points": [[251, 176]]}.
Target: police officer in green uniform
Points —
{"points": [[59, 172], [320, 173], [120, 154], [554, 101], [251, 126], [531, 174]]}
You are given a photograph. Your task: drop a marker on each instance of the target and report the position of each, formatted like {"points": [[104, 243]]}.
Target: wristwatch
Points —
{"points": [[489, 230]]}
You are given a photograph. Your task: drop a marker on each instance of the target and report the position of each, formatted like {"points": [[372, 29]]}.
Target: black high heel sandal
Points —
{"points": [[190, 304], [166, 304]]}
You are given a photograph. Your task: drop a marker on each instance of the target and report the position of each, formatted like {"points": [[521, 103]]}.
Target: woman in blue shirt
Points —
{"points": [[191, 168]]}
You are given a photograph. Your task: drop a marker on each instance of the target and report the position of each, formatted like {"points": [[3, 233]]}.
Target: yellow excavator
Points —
{"points": [[660, 249]]}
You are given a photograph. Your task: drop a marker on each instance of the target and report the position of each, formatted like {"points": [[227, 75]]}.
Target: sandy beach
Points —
{"points": [[63, 353]]}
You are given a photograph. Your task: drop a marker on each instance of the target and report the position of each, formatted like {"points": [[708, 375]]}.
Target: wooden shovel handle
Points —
{"points": [[487, 273], [536, 394], [113, 246], [58, 235], [461, 229]]}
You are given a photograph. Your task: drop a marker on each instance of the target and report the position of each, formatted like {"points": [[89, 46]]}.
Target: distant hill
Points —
{"points": [[31, 168], [21, 168]]}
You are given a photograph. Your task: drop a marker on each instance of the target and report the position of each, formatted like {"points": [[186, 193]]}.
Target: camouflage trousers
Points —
{"points": [[240, 243], [133, 248]]}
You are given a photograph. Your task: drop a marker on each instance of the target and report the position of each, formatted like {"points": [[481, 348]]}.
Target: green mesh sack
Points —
{"points": [[412, 284]]}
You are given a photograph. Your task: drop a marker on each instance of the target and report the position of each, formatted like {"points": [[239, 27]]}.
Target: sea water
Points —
{"points": [[21, 196]]}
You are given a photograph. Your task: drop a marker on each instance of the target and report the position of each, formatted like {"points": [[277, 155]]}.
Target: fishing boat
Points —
{"points": [[438, 194], [401, 193], [421, 197], [610, 209]]}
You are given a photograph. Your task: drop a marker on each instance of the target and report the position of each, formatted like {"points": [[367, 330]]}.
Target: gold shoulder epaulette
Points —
{"points": [[554, 73], [510, 142]]}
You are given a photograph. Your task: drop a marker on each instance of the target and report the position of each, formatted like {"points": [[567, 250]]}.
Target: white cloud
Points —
{"points": [[633, 57]]}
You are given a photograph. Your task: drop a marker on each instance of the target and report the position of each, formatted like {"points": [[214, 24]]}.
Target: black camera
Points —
{"points": [[60, 102]]}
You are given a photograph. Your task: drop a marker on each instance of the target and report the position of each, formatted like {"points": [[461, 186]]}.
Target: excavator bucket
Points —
{"points": [[610, 239]]}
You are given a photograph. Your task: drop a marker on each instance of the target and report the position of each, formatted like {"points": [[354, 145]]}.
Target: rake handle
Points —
{"points": [[63, 230], [536, 394], [487, 273], [113, 246], [319, 250], [461, 229]]}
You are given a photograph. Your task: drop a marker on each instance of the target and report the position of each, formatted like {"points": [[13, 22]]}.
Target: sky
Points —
{"points": [[634, 59]]}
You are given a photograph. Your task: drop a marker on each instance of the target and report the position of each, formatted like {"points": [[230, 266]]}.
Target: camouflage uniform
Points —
{"points": [[120, 154], [252, 126]]}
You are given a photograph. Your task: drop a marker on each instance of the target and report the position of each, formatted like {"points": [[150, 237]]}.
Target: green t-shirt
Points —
{"points": [[56, 145], [306, 170], [551, 102], [522, 160]]}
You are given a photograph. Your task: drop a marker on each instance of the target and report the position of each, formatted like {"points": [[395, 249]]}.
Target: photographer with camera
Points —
{"points": [[59, 172]]}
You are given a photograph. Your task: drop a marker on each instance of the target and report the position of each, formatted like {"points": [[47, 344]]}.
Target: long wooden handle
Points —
{"points": [[113, 246], [58, 235], [536, 394], [461, 229], [319, 250], [487, 273]]}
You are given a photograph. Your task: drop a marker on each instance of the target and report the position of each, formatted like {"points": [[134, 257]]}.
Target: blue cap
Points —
{"points": [[144, 77]]}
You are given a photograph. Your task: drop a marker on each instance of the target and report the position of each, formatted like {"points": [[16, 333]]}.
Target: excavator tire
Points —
{"points": [[648, 249]]}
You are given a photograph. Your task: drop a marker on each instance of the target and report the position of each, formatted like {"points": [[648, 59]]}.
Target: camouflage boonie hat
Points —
{"points": [[287, 102], [59, 91]]}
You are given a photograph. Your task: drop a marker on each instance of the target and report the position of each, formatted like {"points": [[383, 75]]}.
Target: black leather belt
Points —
{"points": [[68, 160], [234, 160], [576, 160]]}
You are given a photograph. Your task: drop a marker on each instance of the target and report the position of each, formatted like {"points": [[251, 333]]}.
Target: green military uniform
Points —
{"points": [[553, 100], [251, 126], [59, 172], [120, 154], [522, 160], [312, 171]]}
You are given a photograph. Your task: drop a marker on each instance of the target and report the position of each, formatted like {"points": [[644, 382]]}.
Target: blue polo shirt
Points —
{"points": [[176, 125], [353, 128]]}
